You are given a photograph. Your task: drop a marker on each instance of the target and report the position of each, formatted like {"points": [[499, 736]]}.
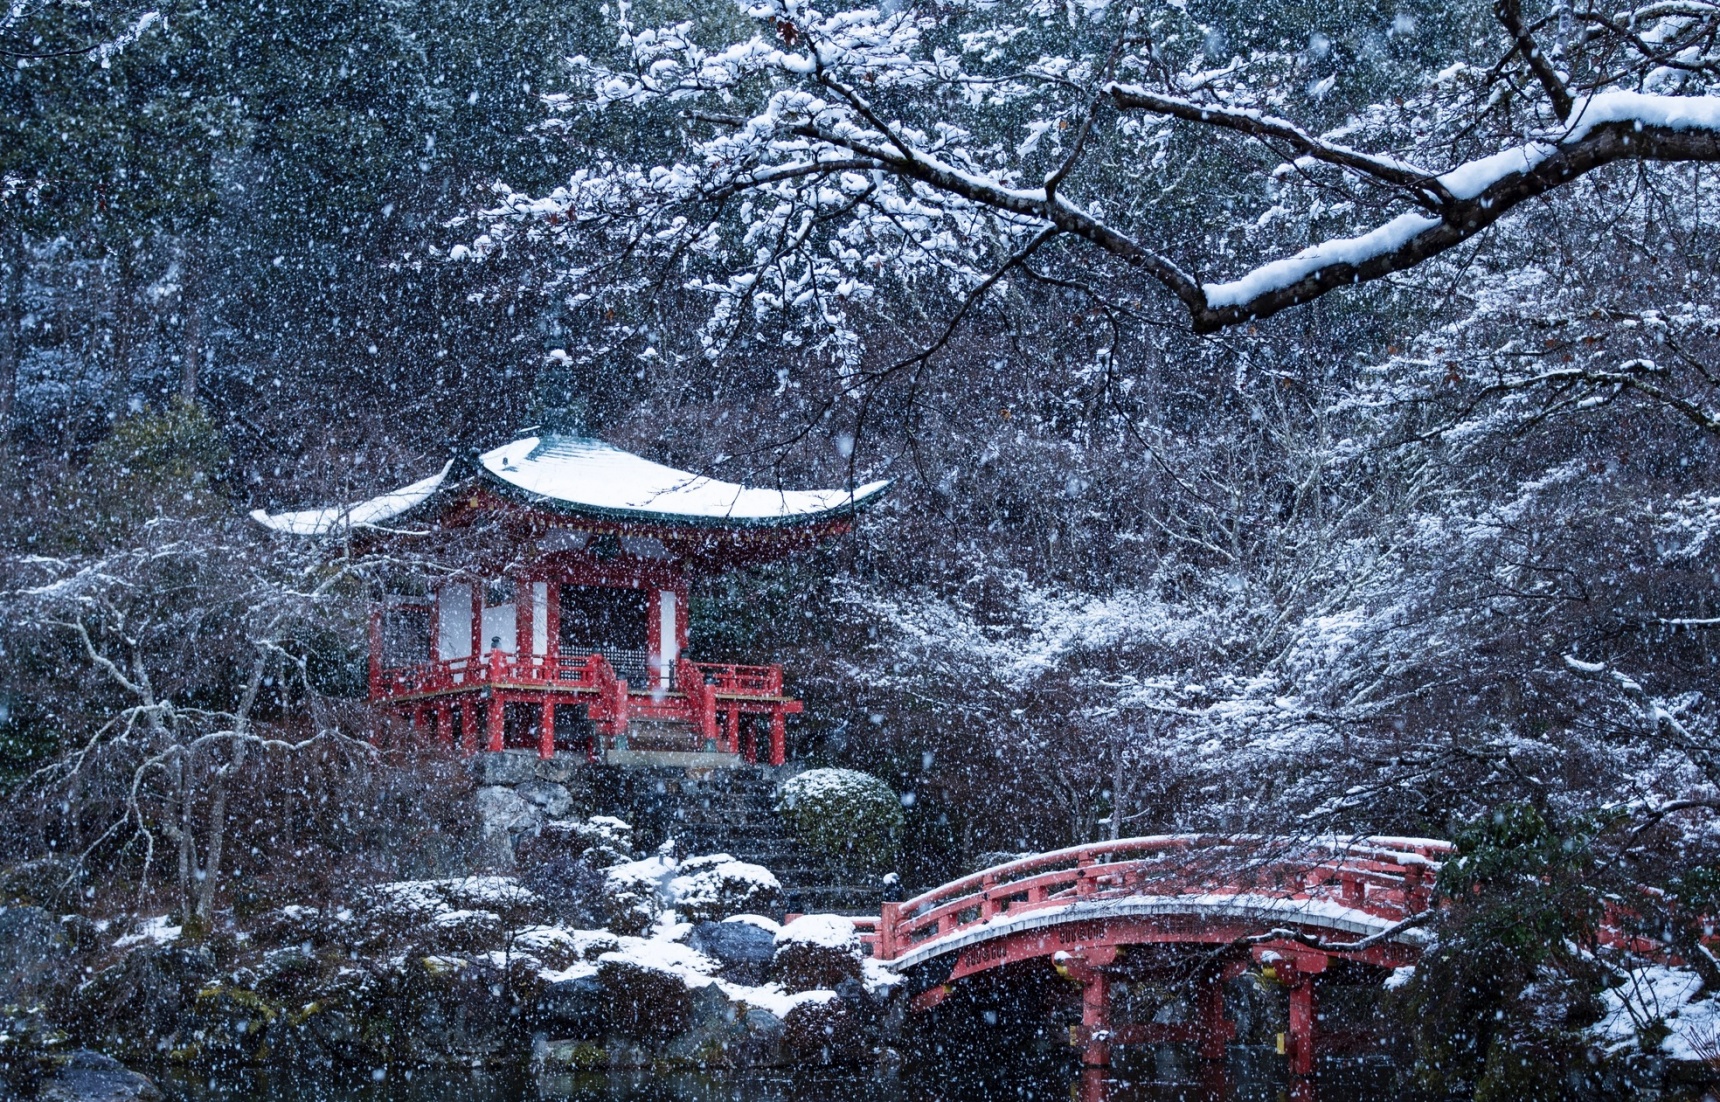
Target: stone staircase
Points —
{"points": [[731, 811]]}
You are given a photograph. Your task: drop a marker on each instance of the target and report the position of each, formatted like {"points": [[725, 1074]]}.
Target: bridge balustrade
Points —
{"points": [[1386, 878]]}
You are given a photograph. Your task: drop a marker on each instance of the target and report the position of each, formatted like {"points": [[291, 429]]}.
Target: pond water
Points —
{"points": [[1248, 1075]]}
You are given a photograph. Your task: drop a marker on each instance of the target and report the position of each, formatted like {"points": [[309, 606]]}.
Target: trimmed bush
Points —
{"points": [[848, 816]]}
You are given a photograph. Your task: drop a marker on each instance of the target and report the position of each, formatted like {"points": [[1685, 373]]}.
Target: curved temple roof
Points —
{"points": [[583, 476]]}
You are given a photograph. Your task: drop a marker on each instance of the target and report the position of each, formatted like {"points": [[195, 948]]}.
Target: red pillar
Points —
{"points": [[468, 726], [375, 654], [708, 717], [778, 738], [1301, 1047], [1215, 1029], [495, 722], [546, 733], [444, 724], [1096, 1019], [732, 743]]}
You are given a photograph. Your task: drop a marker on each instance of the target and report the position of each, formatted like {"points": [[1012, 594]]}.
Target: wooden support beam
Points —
{"points": [[444, 725], [778, 737], [1096, 1019], [1300, 1046], [546, 730], [494, 719], [468, 725]]}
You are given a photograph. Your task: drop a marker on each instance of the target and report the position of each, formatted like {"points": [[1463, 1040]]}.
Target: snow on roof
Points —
{"points": [[593, 477], [365, 514], [588, 476]]}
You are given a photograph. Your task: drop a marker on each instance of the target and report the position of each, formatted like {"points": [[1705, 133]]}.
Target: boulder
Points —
{"points": [[144, 998], [570, 887], [715, 887], [34, 952], [504, 767], [716, 1035], [549, 798], [503, 819], [744, 949], [92, 1077], [644, 1003], [573, 1008]]}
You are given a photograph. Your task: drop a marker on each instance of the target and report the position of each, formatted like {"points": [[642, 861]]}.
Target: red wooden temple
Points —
{"points": [[548, 605]]}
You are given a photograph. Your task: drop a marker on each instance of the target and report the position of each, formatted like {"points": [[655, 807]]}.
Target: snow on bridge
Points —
{"points": [[1288, 904]]}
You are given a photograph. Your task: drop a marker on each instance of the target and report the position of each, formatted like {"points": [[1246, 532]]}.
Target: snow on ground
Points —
{"points": [[663, 954], [159, 931], [1661, 995]]}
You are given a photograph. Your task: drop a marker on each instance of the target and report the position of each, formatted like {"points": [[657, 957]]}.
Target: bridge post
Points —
{"points": [[1216, 1030], [1302, 1016], [884, 948], [1096, 1018]]}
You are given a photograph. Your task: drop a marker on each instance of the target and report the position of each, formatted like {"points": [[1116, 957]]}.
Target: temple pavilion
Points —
{"points": [[547, 604]]}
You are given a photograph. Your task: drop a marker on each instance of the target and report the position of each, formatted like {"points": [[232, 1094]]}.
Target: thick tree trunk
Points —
{"points": [[191, 318], [12, 262]]}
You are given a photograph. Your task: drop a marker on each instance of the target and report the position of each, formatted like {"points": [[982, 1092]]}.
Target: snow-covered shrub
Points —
{"points": [[644, 1002], [713, 888], [636, 893], [815, 952], [847, 815]]}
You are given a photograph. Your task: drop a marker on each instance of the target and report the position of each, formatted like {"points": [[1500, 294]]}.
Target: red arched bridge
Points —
{"points": [[1288, 906]]}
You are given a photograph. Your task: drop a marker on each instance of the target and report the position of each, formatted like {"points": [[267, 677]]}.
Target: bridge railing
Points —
{"points": [[1386, 877]]}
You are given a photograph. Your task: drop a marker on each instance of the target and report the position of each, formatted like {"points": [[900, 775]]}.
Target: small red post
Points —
{"points": [[733, 742], [885, 947], [495, 719], [778, 738], [546, 733], [468, 726]]}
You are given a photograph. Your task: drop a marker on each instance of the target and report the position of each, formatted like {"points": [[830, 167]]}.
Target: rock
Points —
{"points": [[92, 1077], [763, 1045], [744, 949], [145, 997], [549, 798], [571, 888], [716, 1035], [573, 1008], [503, 819], [33, 952], [504, 767], [715, 887], [645, 1004], [558, 770], [45, 882]]}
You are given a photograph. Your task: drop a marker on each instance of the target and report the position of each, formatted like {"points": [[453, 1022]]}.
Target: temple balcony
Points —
{"points": [[584, 703]]}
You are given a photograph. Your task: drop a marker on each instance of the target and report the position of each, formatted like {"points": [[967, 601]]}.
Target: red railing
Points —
{"points": [[583, 672], [497, 667], [1387, 878], [730, 679]]}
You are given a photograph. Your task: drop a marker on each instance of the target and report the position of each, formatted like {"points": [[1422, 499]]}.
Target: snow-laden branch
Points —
{"points": [[833, 151]]}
